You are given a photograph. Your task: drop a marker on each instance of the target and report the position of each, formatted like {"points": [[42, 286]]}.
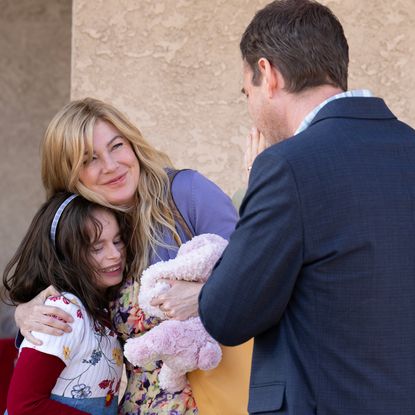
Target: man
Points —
{"points": [[321, 266]]}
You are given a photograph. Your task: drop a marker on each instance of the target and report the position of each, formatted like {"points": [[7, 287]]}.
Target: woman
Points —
{"points": [[92, 149]]}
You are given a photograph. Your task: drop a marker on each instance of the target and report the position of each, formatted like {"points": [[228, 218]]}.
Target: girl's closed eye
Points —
{"points": [[96, 248], [118, 242]]}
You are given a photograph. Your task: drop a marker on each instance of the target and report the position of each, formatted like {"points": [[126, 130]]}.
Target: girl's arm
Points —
{"points": [[35, 316], [33, 379]]}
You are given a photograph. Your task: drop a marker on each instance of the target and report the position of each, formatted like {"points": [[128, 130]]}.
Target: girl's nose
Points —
{"points": [[114, 252]]}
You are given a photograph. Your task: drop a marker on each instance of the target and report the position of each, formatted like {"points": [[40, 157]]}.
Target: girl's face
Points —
{"points": [[114, 170], [108, 252]]}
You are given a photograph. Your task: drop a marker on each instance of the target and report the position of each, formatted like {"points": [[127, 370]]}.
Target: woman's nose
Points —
{"points": [[109, 163]]}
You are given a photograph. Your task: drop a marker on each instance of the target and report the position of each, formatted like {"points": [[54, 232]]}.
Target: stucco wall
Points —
{"points": [[34, 83], [174, 68]]}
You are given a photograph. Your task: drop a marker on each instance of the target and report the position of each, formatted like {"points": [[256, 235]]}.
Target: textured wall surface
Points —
{"points": [[174, 67], [34, 83]]}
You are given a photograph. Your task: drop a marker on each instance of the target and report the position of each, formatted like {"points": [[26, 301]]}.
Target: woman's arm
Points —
{"points": [[33, 379], [35, 316], [206, 209]]}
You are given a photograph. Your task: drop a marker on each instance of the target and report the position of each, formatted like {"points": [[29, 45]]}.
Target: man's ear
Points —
{"points": [[272, 77]]}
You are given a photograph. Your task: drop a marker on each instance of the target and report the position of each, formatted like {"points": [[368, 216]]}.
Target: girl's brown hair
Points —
{"points": [[65, 264]]}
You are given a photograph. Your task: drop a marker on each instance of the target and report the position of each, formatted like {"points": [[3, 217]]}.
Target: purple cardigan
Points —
{"points": [[204, 207]]}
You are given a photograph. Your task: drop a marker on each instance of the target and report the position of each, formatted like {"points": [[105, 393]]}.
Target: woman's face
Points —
{"points": [[108, 252], [114, 170]]}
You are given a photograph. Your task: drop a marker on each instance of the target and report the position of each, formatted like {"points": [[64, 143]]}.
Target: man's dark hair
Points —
{"points": [[303, 39]]}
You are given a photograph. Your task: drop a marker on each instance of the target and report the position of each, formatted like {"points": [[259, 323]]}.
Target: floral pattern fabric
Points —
{"points": [[143, 394], [93, 360], [193, 195]]}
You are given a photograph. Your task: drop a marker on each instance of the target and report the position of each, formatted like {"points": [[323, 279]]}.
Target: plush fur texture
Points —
{"points": [[183, 346]]}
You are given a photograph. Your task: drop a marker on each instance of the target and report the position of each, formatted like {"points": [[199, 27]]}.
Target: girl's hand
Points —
{"points": [[255, 144], [180, 302], [34, 315]]}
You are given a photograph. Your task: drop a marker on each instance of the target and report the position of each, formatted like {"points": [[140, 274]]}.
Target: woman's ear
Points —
{"points": [[273, 80]]}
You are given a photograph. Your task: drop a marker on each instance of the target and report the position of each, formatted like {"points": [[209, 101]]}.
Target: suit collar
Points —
{"points": [[354, 107]]}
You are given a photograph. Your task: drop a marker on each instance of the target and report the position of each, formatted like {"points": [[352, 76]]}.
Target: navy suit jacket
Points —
{"points": [[321, 268]]}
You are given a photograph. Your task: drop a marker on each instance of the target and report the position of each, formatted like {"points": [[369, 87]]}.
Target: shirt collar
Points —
{"points": [[347, 94]]}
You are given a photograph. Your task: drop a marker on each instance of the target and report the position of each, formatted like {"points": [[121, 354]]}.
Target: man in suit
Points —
{"points": [[321, 267]]}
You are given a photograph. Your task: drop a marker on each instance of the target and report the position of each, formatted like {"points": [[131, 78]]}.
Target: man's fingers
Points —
{"points": [[255, 143], [262, 144], [248, 151]]}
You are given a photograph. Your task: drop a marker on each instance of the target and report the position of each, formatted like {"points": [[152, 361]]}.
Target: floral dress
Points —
{"points": [[193, 195], [143, 394]]}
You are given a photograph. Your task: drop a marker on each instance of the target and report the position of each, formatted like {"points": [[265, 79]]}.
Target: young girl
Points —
{"points": [[77, 246]]}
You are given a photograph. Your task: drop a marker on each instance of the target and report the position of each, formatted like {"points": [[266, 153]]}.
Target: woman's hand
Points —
{"points": [[180, 302], [34, 315], [255, 144]]}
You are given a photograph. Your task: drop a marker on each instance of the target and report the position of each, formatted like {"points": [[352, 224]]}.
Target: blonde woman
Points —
{"points": [[92, 149]]}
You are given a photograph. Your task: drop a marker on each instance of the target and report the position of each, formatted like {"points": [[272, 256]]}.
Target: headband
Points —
{"points": [[57, 216]]}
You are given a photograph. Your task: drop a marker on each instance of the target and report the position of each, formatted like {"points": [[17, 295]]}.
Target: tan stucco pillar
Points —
{"points": [[34, 83]]}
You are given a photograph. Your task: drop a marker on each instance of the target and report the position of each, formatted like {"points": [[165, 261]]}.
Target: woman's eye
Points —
{"points": [[89, 160], [117, 145], [118, 242]]}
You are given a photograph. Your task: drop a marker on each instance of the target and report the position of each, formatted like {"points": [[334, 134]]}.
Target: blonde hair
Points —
{"points": [[69, 137]]}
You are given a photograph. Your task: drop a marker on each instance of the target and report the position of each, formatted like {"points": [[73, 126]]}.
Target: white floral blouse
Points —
{"points": [[93, 361]]}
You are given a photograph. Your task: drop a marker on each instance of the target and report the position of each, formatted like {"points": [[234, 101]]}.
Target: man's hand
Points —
{"points": [[255, 144]]}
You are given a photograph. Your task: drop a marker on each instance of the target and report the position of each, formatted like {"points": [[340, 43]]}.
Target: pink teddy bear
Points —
{"points": [[183, 346]]}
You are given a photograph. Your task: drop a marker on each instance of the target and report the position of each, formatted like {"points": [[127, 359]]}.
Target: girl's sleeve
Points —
{"points": [[38, 367], [67, 345], [33, 379], [204, 206]]}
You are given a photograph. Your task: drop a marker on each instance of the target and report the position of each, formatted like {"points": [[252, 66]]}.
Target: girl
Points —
{"points": [[92, 149], [76, 246]]}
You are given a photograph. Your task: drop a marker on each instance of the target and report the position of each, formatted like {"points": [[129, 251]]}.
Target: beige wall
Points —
{"points": [[174, 67], [34, 83]]}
